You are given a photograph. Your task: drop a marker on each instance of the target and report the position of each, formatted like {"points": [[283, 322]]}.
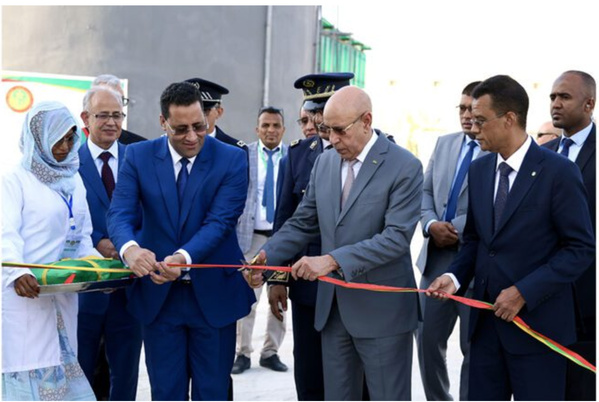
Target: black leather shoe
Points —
{"points": [[273, 363], [241, 364]]}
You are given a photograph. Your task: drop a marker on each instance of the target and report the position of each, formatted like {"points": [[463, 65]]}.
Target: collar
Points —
{"points": [[175, 155], [95, 150], [277, 149], [515, 161], [213, 133], [468, 140], [580, 137], [368, 147]]}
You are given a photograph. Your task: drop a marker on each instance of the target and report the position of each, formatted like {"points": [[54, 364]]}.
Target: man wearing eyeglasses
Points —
{"points": [[104, 316], [112, 81], [255, 228], [572, 104], [522, 252], [192, 190], [442, 217], [363, 200]]}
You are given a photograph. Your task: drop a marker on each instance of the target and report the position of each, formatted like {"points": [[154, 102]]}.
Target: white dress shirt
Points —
{"points": [[260, 222], [113, 162]]}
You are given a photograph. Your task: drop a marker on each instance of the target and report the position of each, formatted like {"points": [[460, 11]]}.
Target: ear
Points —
{"points": [[162, 122], [85, 117], [220, 110], [367, 119], [590, 105]]}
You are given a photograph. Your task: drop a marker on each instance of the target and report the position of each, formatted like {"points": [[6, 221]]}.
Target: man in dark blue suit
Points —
{"points": [[105, 315], [572, 105], [192, 189], [297, 166], [528, 236]]}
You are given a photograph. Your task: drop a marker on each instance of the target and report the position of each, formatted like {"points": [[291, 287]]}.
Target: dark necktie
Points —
{"points": [[268, 196], [567, 143], [502, 191], [107, 176], [452, 200], [182, 178]]}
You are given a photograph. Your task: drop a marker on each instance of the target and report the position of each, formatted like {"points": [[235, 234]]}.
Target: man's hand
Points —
{"points": [[140, 260], [254, 277], [310, 268], [441, 287], [107, 249], [277, 294], [27, 286], [443, 234], [166, 273], [509, 303]]}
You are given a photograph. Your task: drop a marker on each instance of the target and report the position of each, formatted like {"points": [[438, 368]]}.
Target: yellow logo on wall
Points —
{"points": [[19, 99]]}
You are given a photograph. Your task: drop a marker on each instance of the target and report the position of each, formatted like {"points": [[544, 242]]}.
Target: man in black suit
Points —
{"points": [[113, 82], [211, 94], [572, 105], [523, 253]]}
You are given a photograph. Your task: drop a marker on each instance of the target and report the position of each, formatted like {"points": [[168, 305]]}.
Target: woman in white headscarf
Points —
{"points": [[45, 218]]}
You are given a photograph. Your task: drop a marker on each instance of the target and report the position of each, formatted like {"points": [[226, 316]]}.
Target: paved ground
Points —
{"points": [[260, 384]]}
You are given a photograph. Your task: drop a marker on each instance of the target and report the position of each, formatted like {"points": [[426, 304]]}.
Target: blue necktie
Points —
{"points": [[502, 191], [268, 196], [182, 178], [452, 201], [567, 143]]}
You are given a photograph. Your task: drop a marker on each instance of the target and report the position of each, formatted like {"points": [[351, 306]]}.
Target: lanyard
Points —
{"points": [[69, 204]]}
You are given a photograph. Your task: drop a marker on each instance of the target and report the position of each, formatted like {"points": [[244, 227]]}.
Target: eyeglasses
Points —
{"points": [[338, 130], [107, 116], [125, 101], [198, 128], [481, 122], [463, 108]]}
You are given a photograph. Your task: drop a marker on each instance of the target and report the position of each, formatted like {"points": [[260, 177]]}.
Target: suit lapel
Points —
{"points": [[121, 154], [165, 174], [198, 174], [89, 170], [587, 150], [487, 191], [453, 154], [529, 171], [372, 162]]}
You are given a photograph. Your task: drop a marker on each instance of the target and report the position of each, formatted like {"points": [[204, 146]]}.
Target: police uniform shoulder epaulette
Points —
{"points": [[314, 144], [240, 144], [294, 142]]}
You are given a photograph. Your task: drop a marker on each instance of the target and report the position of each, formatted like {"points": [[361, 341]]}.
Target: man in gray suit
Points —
{"points": [[365, 206], [443, 217], [254, 228]]}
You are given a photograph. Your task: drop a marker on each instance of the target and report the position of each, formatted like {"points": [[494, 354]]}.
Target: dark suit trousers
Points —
{"points": [[580, 382], [122, 339], [496, 375], [307, 354], [182, 347]]}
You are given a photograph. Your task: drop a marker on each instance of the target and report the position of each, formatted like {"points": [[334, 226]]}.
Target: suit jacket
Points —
{"points": [[438, 179], [543, 242], [245, 225], [98, 201], [369, 238], [127, 137], [203, 225], [586, 285]]}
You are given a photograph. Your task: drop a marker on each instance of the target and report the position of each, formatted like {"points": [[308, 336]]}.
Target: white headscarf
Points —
{"points": [[46, 124]]}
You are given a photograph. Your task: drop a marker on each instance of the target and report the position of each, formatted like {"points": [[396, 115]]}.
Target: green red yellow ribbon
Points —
{"points": [[556, 347]]}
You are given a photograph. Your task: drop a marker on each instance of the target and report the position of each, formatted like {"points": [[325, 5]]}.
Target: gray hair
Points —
{"points": [[87, 98], [110, 80]]}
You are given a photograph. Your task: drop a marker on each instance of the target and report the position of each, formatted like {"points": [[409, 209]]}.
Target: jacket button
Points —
{"points": [[492, 253]]}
